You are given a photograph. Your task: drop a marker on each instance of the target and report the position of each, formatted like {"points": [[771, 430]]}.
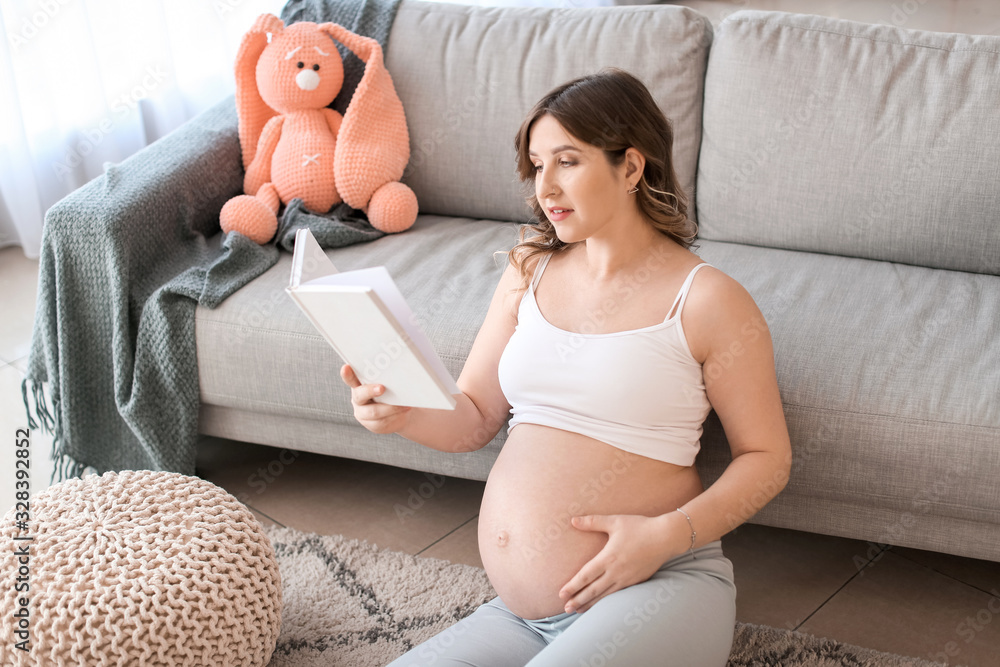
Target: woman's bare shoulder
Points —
{"points": [[718, 308]]}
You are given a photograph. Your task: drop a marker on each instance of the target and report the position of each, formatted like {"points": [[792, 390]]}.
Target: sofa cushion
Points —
{"points": [[468, 75], [889, 380], [862, 140], [257, 351]]}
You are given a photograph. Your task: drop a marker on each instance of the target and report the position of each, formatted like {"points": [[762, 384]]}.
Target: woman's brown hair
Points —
{"points": [[612, 110]]}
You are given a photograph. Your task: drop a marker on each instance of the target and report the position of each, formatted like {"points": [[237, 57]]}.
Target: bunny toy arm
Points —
{"points": [[259, 171]]}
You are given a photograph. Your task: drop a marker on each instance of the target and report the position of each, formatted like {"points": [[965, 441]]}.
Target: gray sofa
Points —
{"points": [[846, 174]]}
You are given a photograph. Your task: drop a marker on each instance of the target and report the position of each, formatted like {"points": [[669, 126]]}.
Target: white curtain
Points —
{"points": [[87, 82]]}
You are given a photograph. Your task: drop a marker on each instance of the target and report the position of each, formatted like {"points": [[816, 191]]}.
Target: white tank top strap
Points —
{"points": [[539, 268], [682, 294]]}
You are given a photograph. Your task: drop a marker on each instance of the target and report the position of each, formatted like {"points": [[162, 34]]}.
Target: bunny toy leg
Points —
{"points": [[256, 217], [393, 208]]}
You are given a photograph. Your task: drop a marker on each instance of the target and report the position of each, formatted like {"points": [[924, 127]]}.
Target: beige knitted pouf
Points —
{"points": [[139, 568]]}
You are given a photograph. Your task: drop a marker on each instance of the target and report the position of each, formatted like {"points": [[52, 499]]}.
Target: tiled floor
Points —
{"points": [[906, 601]]}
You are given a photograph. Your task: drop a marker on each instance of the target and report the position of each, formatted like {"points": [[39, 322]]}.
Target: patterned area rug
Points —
{"points": [[349, 603]]}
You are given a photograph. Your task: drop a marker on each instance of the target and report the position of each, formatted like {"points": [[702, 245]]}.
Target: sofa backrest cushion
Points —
{"points": [[467, 77], [852, 139]]}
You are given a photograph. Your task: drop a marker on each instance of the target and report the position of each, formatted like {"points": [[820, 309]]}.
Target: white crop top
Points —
{"points": [[639, 390]]}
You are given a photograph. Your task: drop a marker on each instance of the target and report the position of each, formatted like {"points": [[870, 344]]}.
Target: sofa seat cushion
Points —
{"points": [[851, 139], [258, 352], [889, 377]]}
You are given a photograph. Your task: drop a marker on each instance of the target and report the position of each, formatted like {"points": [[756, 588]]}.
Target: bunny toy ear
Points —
{"points": [[251, 110], [373, 144]]}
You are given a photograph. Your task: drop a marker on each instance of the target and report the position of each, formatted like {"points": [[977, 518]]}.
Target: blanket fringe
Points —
{"points": [[49, 420]]}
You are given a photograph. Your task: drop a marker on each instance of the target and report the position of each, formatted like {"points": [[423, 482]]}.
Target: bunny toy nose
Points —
{"points": [[307, 79]]}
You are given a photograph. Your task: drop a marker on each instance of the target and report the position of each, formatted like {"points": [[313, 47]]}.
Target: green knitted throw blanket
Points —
{"points": [[126, 259]]}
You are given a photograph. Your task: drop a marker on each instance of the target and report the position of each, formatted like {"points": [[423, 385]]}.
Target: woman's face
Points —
{"points": [[580, 191]]}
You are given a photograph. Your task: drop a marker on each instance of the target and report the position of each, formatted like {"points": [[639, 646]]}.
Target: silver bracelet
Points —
{"points": [[693, 533]]}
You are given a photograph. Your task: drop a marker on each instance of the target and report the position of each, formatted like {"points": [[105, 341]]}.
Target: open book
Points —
{"points": [[364, 316]]}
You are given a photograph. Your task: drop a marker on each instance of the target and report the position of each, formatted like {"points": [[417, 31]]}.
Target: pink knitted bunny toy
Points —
{"points": [[296, 147]]}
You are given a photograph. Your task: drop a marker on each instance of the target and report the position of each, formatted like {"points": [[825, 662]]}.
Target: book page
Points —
{"points": [[365, 335], [309, 261], [378, 279]]}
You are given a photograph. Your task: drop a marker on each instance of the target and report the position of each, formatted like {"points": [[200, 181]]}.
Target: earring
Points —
{"points": [[633, 190]]}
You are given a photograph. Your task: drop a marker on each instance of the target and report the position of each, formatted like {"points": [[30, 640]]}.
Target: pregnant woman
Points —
{"points": [[610, 342]]}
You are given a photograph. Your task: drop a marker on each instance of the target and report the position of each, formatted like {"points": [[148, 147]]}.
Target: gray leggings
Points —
{"points": [[683, 615]]}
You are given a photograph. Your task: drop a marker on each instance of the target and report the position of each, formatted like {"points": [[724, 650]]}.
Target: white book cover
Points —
{"points": [[364, 316]]}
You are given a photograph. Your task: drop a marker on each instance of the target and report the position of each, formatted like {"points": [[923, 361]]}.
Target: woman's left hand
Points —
{"points": [[637, 546]]}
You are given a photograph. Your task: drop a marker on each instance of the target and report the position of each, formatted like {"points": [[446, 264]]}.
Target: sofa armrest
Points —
{"points": [[158, 199]]}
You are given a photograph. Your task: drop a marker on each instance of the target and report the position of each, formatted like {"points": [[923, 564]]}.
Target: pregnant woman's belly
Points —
{"points": [[542, 478]]}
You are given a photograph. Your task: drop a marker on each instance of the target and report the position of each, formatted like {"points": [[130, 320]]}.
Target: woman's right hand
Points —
{"points": [[376, 417]]}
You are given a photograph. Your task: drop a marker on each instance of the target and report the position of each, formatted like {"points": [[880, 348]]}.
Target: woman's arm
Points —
{"points": [[742, 387], [726, 331], [482, 408]]}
